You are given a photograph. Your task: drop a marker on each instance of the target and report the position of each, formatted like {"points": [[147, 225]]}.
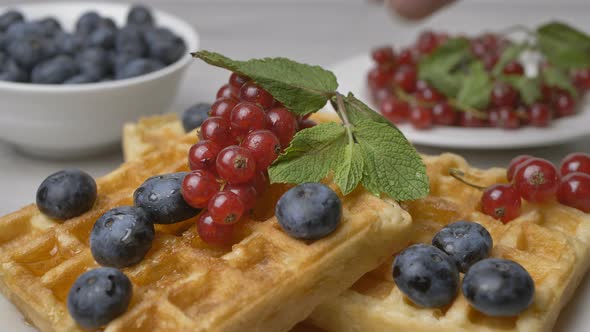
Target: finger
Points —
{"points": [[417, 9]]}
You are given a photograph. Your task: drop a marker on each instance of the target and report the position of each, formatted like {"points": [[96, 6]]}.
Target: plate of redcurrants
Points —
{"points": [[491, 92]]}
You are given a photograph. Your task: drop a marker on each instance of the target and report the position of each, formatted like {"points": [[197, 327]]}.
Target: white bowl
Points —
{"points": [[76, 120]]}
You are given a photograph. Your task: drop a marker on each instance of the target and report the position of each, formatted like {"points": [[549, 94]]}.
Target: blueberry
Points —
{"points": [[10, 70], [94, 63], [68, 43], [121, 237], [309, 211], [10, 17], [120, 60], [140, 15], [195, 115], [66, 194], [108, 23], [51, 26], [498, 287], [80, 79], [138, 67], [99, 296], [465, 242], [28, 52], [164, 45], [129, 41], [103, 37], [161, 198], [22, 30], [426, 275], [87, 23], [55, 70]]}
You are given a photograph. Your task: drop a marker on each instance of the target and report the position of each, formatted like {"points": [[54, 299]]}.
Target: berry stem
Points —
{"points": [[460, 175], [342, 112]]}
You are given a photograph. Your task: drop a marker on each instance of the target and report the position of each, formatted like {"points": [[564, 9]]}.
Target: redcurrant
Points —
{"points": [[380, 77], [582, 79], [501, 201], [198, 187], [253, 93], [223, 107], [380, 94], [406, 57], [225, 207], [564, 104], [575, 162], [540, 115], [236, 165], [574, 191], [283, 124], [444, 114], [536, 180], [246, 117], [214, 233], [217, 130], [260, 183], [421, 117], [504, 95], [405, 77], [383, 56], [245, 192], [203, 155], [468, 119], [515, 163], [224, 92], [264, 146], [395, 110], [429, 95], [427, 42], [513, 68], [504, 117], [235, 83]]}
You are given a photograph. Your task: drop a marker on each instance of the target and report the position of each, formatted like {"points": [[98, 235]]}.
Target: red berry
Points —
{"points": [[260, 183], [421, 117], [235, 84], [444, 114], [575, 162], [513, 68], [217, 130], [236, 164], [429, 95], [515, 163], [224, 92], [283, 124], [394, 109], [380, 94], [306, 123], [547, 93], [264, 146], [504, 95], [198, 187], [203, 155], [574, 191], [427, 42], [502, 202], [478, 48], [255, 94], [504, 117], [383, 55], [380, 77], [223, 107], [536, 180], [490, 60], [540, 115], [467, 119], [564, 104], [582, 79], [245, 192], [490, 40], [212, 232], [247, 117], [405, 77], [225, 207], [406, 57]]}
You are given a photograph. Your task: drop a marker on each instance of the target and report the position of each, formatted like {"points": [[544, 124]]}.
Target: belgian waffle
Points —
{"points": [[267, 281], [551, 241]]}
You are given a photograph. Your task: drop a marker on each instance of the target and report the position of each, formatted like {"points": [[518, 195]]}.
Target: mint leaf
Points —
{"points": [[391, 164], [556, 77], [509, 54], [564, 46], [300, 87], [440, 68], [528, 87], [476, 88], [357, 110], [349, 172], [311, 155]]}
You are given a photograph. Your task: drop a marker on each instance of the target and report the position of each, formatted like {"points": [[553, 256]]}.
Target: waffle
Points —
{"points": [[267, 281], [551, 241]]}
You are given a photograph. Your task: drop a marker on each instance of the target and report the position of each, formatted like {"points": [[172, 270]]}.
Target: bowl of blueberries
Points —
{"points": [[71, 74]]}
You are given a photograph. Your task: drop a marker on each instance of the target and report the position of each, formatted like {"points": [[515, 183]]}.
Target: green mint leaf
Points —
{"points": [[300, 87], [564, 46], [349, 172], [357, 110], [528, 87], [509, 54], [556, 77], [391, 164], [442, 68], [476, 88], [312, 154]]}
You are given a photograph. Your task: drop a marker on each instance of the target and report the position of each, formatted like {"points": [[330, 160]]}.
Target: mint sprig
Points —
{"points": [[564, 46]]}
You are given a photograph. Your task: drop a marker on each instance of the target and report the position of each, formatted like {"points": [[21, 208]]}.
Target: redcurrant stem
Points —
{"points": [[460, 175], [342, 112], [477, 113]]}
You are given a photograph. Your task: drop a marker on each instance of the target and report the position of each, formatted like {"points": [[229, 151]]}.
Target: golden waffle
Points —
{"points": [[267, 281], [551, 241]]}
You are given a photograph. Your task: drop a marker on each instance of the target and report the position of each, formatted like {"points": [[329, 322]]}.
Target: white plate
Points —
{"points": [[352, 75]]}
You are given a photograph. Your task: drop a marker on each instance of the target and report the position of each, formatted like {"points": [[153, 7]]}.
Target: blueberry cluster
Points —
{"points": [[41, 52], [429, 274]]}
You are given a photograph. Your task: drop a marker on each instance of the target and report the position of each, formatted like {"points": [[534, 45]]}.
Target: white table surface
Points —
{"points": [[318, 32]]}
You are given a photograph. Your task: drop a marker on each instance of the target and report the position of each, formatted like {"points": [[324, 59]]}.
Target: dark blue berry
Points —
{"points": [[140, 15], [164, 45], [465, 242], [426, 275], [87, 23], [99, 296], [28, 52], [10, 70], [10, 17], [121, 237], [103, 37], [94, 63], [498, 287], [68, 43], [161, 198], [138, 67], [54, 71], [23, 30], [66, 194], [309, 211], [194, 116], [129, 42], [51, 26], [80, 79]]}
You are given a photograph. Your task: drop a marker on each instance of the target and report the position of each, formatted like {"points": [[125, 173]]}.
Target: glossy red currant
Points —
{"points": [[501, 201], [246, 117], [575, 162], [253, 93], [504, 95], [264, 146], [384, 56], [224, 92], [222, 107], [421, 117], [574, 191], [504, 117], [515, 163], [540, 115], [213, 233], [395, 109], [427, 42], [198, 187], [380, 94], [490, 60], [513, 68], [217, 130], [406, 57], [203, 155], [225, 207], [428, 94], [444, 114], [283, 124], [260, 183], [235, 83], [564, 104], [405, 78], [380, 77], [236, 165], [582, 79], [536, 180], [245, 192]]}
